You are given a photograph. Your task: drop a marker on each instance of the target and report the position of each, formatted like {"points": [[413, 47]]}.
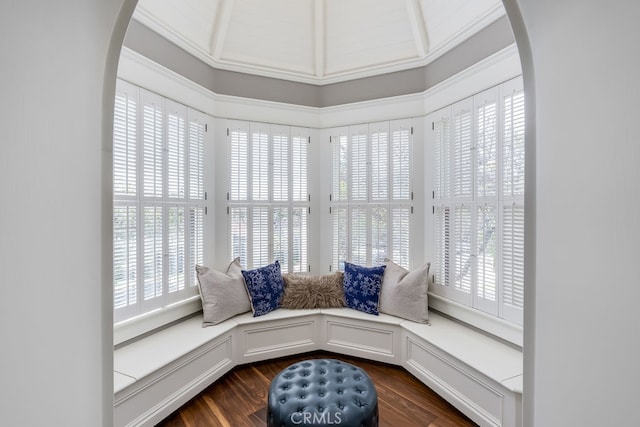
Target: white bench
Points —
{"points": [[479, 375]]}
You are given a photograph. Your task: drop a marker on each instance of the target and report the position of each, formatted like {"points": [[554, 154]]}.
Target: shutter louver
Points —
{"points": [[176, 249], [486, 252], [340, 220], [401, 165], [299, 250], [463, 244], [513, 255], [125, 248], [462, 154], [442, 157], [380, 165], [125, 161], [176, 156], [239, 139], [259, 237], [401, 232], [379, 234], [281, 237], [486, 150], [281, 175], [358, 160], [196, 159], [153, 251], [196, 242], [260, 165], [513, 144], [442, 233], [359, 235], [299, 168], [153, 147], [339, 186], [239, 234]]}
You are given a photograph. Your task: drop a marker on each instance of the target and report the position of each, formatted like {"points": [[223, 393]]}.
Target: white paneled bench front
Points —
{"points": [[478, 374]]}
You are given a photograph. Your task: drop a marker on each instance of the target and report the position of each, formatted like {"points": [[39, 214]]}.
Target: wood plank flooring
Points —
{"points": [[238, 399]]}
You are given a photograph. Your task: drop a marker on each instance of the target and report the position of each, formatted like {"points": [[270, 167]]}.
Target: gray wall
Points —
{"points": [[492, 39]]}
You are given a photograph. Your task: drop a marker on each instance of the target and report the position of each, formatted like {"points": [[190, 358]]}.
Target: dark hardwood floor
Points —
{"points": [[239, 398]]}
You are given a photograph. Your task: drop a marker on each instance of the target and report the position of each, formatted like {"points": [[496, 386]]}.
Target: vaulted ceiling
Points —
{"points": [[317, 41]]}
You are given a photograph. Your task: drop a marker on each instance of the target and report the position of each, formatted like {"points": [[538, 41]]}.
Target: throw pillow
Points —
{"points": [[223, 295], [404, 293], [362, 287], [265, 288], [313, 292]]}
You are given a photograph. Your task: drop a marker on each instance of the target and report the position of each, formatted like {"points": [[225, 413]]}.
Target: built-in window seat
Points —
{"points": [[157, 374]]}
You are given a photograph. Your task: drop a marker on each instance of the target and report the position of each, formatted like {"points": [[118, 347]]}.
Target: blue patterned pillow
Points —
{"points": [[362, 287], [265, 287]]}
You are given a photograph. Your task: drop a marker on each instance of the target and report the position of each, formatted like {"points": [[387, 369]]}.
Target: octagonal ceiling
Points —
{"points": [[317, 41]]}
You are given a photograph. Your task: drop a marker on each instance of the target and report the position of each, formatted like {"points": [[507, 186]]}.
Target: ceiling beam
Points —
{"points": [[319, 40], [416, 20], [219, 31]]}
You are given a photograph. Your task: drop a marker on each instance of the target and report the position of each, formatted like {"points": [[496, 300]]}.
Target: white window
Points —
{"points": [[370, 200], [479, 201], [268, 199], [158, 214]]}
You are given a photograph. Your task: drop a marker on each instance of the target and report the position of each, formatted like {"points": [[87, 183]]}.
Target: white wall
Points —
{"points": [[56, 364], [582, 344]]}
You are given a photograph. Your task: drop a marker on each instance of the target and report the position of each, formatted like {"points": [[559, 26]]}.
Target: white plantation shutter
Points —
{"points": [[359, 180], [379, 234], [401, 162], [196, 242], [379, 161], [239, 161], [513, 257], [153, 144], [153, 253], [176, 249], [340, 236], [259, 255], [487, 254], [299, 165], [371, 193], [462, 268], [159, 201], [125, 255], [239, 234], [260, 162], [339, 166], [281, 236], [442, 239], [401, 232], [196, 130], [125, 130], [176, 150], [299, 251], [281, 173], [479, 225], [462, 147], [268, 195], [513, 200], [358, 222], [442, 231]]}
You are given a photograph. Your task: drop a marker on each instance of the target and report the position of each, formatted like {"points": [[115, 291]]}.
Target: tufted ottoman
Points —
{"points": [[322, 392]]}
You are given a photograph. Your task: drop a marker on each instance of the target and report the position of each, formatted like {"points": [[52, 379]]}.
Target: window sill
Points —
{"points": [[506, 331], [139, 326]]}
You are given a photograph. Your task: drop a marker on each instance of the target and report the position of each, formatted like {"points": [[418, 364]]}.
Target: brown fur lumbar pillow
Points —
{"points": [[313, 292]]}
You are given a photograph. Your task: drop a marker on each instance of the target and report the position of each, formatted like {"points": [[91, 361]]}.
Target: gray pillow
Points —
{"points": [[404, 293], [313, 292], [223, 294]]}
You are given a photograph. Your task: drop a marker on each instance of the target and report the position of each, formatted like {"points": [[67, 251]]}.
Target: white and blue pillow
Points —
{"points": [[362, 287], [265, 287]]}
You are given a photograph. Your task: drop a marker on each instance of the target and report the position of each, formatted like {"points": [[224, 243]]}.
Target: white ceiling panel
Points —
{"points": [[317, 41]]}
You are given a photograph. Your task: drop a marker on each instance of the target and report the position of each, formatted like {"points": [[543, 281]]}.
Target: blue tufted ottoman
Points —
{"points": [[322, 392]]}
